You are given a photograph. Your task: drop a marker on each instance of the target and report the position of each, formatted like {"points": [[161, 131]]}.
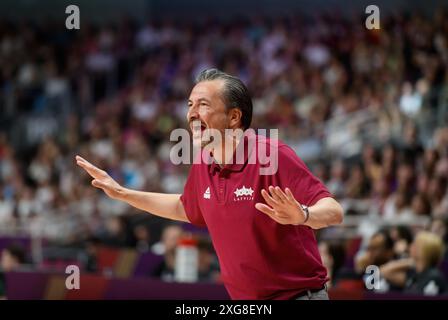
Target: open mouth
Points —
{"points": [[198, 126]]}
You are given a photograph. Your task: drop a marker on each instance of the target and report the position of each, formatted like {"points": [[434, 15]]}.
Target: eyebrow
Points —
{"points": [[200, 99]]}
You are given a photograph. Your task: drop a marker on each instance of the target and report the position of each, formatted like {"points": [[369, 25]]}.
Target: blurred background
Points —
{"points": [[367, 110]]}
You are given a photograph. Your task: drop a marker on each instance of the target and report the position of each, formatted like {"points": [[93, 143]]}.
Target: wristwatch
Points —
{"points": [[307, 213]]}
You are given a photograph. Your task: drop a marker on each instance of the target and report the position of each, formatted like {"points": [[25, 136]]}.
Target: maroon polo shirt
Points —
{"points": [[259, 258]]}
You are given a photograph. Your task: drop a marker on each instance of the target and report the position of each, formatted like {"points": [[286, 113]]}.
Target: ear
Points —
{"points": [[235, 118]]}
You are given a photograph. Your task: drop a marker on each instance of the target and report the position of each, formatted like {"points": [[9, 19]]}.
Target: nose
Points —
{"points": [[192, 114]]}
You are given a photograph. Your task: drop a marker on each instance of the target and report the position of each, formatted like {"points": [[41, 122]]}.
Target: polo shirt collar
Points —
{"points": [[236, 167]]}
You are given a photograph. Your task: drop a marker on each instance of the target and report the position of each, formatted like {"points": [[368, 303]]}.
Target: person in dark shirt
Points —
{"points": [[419, 274], [12, 258], [333, 257]]}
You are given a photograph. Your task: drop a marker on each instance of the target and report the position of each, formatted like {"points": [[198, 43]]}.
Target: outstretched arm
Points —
{"points": [[163, 205]]}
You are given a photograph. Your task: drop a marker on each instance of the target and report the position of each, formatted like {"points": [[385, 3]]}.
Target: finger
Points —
{"points": [[81, 159], [91, 169], [99, 184], [281, 194], [274, 194], [271, 213], [289, 194], [268, 198], [265, 209]]}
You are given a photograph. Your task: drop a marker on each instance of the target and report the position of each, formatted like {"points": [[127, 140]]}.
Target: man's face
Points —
{"points": [[379, 254], [206, 110]]}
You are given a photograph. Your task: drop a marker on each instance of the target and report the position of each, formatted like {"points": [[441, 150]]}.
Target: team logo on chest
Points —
{"points": [[243, 194]]}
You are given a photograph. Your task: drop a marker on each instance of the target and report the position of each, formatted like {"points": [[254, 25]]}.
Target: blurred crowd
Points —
{"points": [[395, 260], [367, 110]]}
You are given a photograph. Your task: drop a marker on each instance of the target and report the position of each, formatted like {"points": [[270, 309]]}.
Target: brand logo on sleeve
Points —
{"points": [[207, 193], [243, 194]]}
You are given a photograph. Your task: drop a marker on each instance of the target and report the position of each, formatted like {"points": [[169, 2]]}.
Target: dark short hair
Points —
{"points": [[235, 94], [388, 241]]}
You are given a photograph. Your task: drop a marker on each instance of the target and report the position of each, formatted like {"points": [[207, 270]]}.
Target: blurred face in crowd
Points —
{"points": [[426, 251], [429, 157], [439, 227], [401, 245], [437, 188], [381, 188], [8, 261], [401, 200], [337, 170], [377, 250], [207, 110], [114, 226], [405, 173], [171, 236], [141, 233], [410, 133], [420, 205], [422, 183], [388, 154]]}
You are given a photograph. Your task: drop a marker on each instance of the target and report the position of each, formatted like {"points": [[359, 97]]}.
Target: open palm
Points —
{"points": [[101, 179], [281, 206]]}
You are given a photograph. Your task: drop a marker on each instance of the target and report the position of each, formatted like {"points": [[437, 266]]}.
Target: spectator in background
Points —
{"points": [[12, 258], [357, 185], [380, 194], [439, 226], [165, 271], [419, 274], [402, 237], [167, 247], [398, 207], [208, 267], [379, 251], [114, 234], [337, 178], [142, 237], [420, 206], [333, 258], [90, 255], [437, 191], [169, 239]]}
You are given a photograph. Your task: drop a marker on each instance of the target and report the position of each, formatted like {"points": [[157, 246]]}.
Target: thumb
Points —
{"points": [[98, 184]]}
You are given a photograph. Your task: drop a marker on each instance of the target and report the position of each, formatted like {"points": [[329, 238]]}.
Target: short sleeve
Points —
{"points": [[306, 187], [189, 199]]}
